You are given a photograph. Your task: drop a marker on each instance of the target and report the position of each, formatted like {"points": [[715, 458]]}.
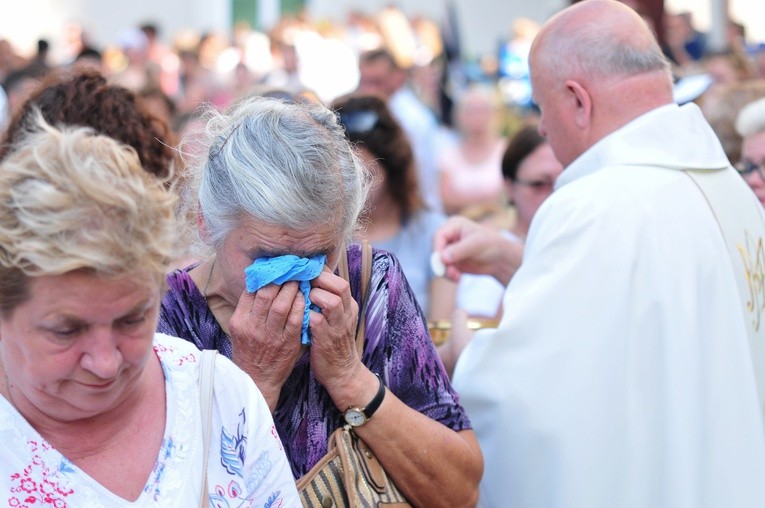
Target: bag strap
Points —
{"points": [[366, 276], [206, 376], [342, 265]]}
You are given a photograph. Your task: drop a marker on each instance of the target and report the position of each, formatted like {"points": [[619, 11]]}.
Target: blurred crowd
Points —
{"points": [[460, 115], [616, 357]]}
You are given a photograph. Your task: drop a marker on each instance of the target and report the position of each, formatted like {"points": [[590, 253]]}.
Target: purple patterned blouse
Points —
{"points": [[397, 347]]}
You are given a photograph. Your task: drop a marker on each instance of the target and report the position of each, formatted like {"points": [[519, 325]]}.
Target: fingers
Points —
{"points": [[459, 251], [277, 307], [331, 293], [449, 232], [339, 311], [452, 273]]}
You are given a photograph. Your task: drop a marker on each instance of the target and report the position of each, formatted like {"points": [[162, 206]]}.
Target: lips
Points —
{"points": [[99, 386]]}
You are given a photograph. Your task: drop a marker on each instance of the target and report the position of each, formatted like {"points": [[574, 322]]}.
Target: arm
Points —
{"points": [[443, 295], [452, 201], [415, 448], [430, 463], [459, 337], [469, 247]]}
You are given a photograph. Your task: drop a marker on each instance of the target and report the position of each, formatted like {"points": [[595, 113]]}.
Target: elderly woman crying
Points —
{"points": [[282, 184]]}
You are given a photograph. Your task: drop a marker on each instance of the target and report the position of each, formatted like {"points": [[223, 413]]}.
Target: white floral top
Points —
{"points": [[247, 464]]}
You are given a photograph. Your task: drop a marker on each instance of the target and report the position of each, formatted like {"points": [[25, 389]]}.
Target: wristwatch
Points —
{"points": [[358, 416]]}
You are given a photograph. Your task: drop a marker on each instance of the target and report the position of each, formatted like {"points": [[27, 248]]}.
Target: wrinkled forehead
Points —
{"points": [[258, 239]]}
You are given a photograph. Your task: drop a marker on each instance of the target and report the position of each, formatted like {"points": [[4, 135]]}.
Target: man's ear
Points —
{"points": [[582, 103]]}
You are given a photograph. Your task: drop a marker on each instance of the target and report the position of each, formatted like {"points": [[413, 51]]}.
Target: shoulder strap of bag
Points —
{"points": [[206, 376], [366, 275], [342, 265], [742, 223]]}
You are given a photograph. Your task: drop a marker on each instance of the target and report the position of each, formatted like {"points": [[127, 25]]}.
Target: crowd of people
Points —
{"points": [[602, 224]]}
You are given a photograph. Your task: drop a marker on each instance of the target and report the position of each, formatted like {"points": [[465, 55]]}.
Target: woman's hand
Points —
{"points": [[334, 359], [265, 334]]}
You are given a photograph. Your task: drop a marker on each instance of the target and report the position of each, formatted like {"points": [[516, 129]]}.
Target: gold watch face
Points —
{"points": [[355, 417]]}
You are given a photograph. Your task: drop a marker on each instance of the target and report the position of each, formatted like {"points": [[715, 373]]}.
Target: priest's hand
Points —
{"points": [[465, 246]]}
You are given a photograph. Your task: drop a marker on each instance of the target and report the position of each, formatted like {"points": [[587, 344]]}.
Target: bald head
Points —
{"points": [[598, 37], [595, 67]]}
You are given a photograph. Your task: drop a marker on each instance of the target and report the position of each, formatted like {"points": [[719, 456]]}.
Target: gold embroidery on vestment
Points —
{"points": [[754, 271]]}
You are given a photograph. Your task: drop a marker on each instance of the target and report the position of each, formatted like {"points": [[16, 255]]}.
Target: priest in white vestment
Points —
{"points": [[621, 373]]}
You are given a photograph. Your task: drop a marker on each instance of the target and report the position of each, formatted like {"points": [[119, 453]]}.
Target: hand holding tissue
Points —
{"points": [[280, 269]]}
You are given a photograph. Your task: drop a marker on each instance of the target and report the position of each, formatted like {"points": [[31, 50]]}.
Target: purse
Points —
{"points": [[349, 475]]}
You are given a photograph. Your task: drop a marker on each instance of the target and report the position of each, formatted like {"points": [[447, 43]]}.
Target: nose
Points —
{"points": [[101, 356], [755, 180]]}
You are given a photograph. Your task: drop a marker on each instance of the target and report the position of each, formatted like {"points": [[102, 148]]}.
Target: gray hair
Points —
{"points": [[751, 118], [586, 47], [281, 163]]}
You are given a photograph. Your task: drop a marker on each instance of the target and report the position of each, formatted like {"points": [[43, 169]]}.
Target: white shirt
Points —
{"points": [[620, 374], [247, 464]]}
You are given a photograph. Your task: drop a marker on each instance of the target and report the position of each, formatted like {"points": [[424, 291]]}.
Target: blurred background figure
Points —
{"points": [[87, 99], [160, 105], [133, 70], [513, 63], [727, 66], [285, 73], [39, 64], [721, 108], [683, 43], [750, 124], [9, 59], [470, 178], [529, 170], [19, 85], [396, 218], [382, 75]]}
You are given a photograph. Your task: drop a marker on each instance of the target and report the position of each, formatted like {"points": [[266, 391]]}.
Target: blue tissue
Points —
{"points": [[280, 269]]}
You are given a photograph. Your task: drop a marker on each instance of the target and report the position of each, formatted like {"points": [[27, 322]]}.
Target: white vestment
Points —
{"points": [[620, 374]]}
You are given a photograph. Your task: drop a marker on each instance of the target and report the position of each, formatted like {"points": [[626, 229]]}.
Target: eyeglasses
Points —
{"points": [[359, 122], [747, 167], [536, 185]]}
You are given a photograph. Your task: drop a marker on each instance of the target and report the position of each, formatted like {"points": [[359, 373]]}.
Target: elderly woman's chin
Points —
{"points": [[73, 400]]}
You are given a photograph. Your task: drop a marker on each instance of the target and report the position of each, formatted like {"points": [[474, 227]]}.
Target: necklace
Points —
{"points": [[209, 276]]}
